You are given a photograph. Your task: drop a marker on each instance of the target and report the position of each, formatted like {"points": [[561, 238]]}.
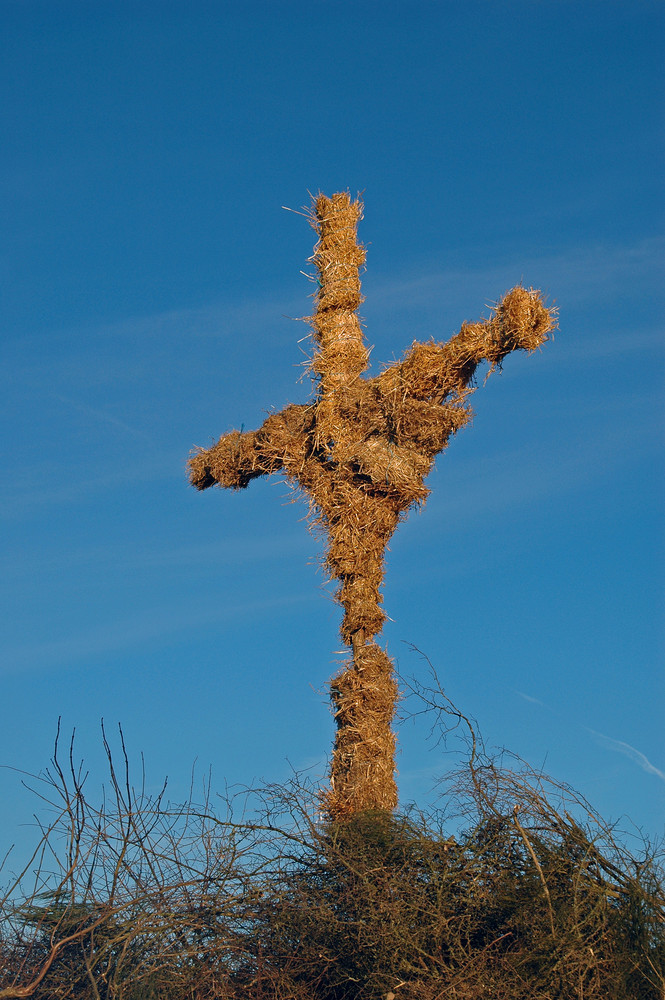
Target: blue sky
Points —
{"points": [[149, 279]]}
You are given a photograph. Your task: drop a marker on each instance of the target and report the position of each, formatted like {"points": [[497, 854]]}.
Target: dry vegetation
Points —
{"points": [[360, 453], [519, 891], [516, 889]]}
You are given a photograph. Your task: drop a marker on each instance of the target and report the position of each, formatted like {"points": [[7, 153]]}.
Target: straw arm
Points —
{"points": [[239, 457], [233, 462], [520, 322], [440, 372]]}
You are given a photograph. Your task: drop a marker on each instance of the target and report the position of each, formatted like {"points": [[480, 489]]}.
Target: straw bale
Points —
{"points": [[284, 438], [233, 462], [355, 550], [423, 425], [521, 321], [389, 466], [337, 256], [370, 515], [419, 374], [346, 550], [342, 359], [360, 597], [364, 694], [338, 326], [282, 441], [362, 412]]}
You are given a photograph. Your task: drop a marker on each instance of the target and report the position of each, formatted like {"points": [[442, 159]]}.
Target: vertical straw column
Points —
{"points": [[364, 692], [342, 355]]}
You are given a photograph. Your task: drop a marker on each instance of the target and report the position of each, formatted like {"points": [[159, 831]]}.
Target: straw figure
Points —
{"points": [[360, 452]]}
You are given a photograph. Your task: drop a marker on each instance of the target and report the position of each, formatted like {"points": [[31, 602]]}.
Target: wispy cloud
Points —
{"points": [[242, 547], [139, 347], [519, 477], [628, 751], [531, 699], [584, 272], [102, 415], [33, 489], [619, 746], [129, 632]]}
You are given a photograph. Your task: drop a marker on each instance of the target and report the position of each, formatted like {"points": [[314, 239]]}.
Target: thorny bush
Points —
{"points": [[523, 893]]}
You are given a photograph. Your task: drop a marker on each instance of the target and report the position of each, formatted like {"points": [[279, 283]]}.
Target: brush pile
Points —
{"points": [[517, 891]]}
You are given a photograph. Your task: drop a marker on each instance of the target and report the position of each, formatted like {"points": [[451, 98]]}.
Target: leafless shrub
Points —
{"points": [[530, 895]]}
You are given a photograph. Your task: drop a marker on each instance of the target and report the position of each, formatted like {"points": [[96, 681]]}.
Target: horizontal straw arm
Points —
{"points": [[233, 462], [282, 441]]}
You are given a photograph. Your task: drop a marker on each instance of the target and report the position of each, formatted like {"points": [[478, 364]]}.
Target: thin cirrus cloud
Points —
{"points": [[130, 632], [531, 699], [246, 543], [101, 415], [54, 483], [583, 275], [513, 479], [577, 276], [618, 746], [628, 751]]}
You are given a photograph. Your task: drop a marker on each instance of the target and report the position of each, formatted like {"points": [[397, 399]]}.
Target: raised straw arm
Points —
{"points": [[438, 372]]}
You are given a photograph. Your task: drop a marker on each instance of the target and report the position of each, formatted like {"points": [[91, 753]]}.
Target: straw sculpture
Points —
{"points": [[360, 453]]}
